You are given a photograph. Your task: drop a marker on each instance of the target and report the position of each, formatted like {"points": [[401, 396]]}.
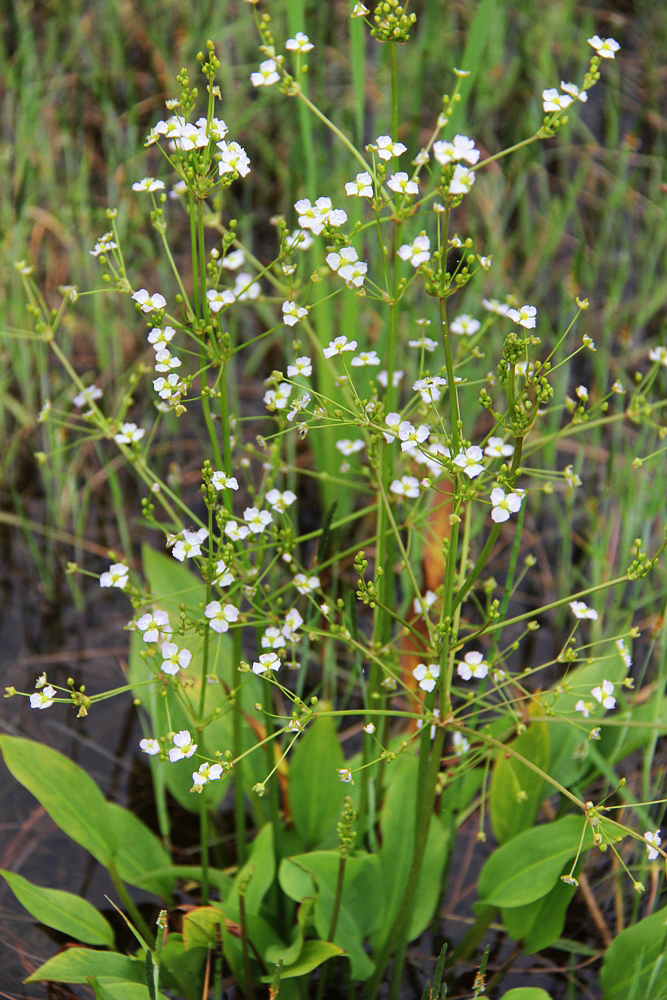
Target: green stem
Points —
{"points": [[139, 923], [203, 837]]}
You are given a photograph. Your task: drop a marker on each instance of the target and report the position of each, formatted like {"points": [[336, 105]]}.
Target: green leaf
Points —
{"points": [[139, 852], [106, 988], [63, 911], [516, 791], [540, 923], [528, 866], [315, 790], [77, 965], [526, 993], [314, 953], [69, 795], [180, 970], [262, 864], [202, 926], [635, 964]]}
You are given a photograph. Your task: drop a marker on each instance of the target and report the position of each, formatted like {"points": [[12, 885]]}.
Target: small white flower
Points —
{"points": [[406, 486], [148, 184], [292, 313], [183, 746], [385, 147], [292, 623], [424, 344], [221, 617], [584, 707], [473, 665], [494, 306], [582, 393], [207, 772], [573, 91], [571, 477], [581, 610], [347, 447], [173, 658], [345, 775], [496, 448], [465, 325], [237, 532], [401, 184], [300, 43], [267, 661], [418, 252], [160, 336], [525, 316], [364, 359], [234, 260], [459, 148], [411, 437], [149, 303], [103, 246], [115, 576], [470, 461], [383, 378], [605, 694], [221, 481], [280, 501], [129, 434], [427, 675], [658, 354], [149, 746], [338, 346], [606, 48], [462, 180], [154, 624], [361, 186], [427, 600], [301, 366], [306, 584], [165, 361], [233, 159], [219, 298], [257, 520], [504, 504], [267, 74], [460, 743], [624, 652], [278, 398], [223, 577], [43, 698], [87, 395], [553, 101], [370, 729], [359, 10], [653, 841], [188, 545]]}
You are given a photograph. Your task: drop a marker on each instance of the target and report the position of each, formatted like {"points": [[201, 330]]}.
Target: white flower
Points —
{"points": [[115, 576], [581, 610], [160, 336], [183, 746], [504, 504], [347, 447], [165, 361], [624, 652], [469, 460], [359, 10], [417, 252], [496, 448], [406, 486], [218, 298], [345, 775], [494, 306], [44, 698], [361, 186], [584, 707], [605, 694], [245, 288], [129, 434], [385, 147], [237, 532], [188, 545], [424, 344], [149, 746], [233, 159], [170, 387], [462, 180], [298, 240], [292, 313], [280, 501], [301, 366], [427, 600], [300, 43], [221, 481], [173, 658], [411, 436], [103, 245], [573, 91], [267, 661], [313, 217], [297, 405], [221, 617], [426, 675], [149, 303], [653, 841], [401, 183], [87, 395], [267, 74], [148, 184], [154, 624], [606, 48], [383, 378], [365, 358], [234, 260], [257, 520], [460, 743], [465, 325], [525, 316], [306, 584], [473, 665], [658, 354], [278, 398], [582, 393], [292, 623], [207, 772], [459, 148], [553, 101], [338, 346], [571, 477]]}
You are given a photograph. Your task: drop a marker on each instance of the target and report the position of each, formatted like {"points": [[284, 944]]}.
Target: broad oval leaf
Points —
{"points": [[77, 965], [139, 852], [528, 866], [69, 795], [517, 791], [313, 953], [526, 993], [635, 965], [63, 911], [315, 790], [106, 988]]}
